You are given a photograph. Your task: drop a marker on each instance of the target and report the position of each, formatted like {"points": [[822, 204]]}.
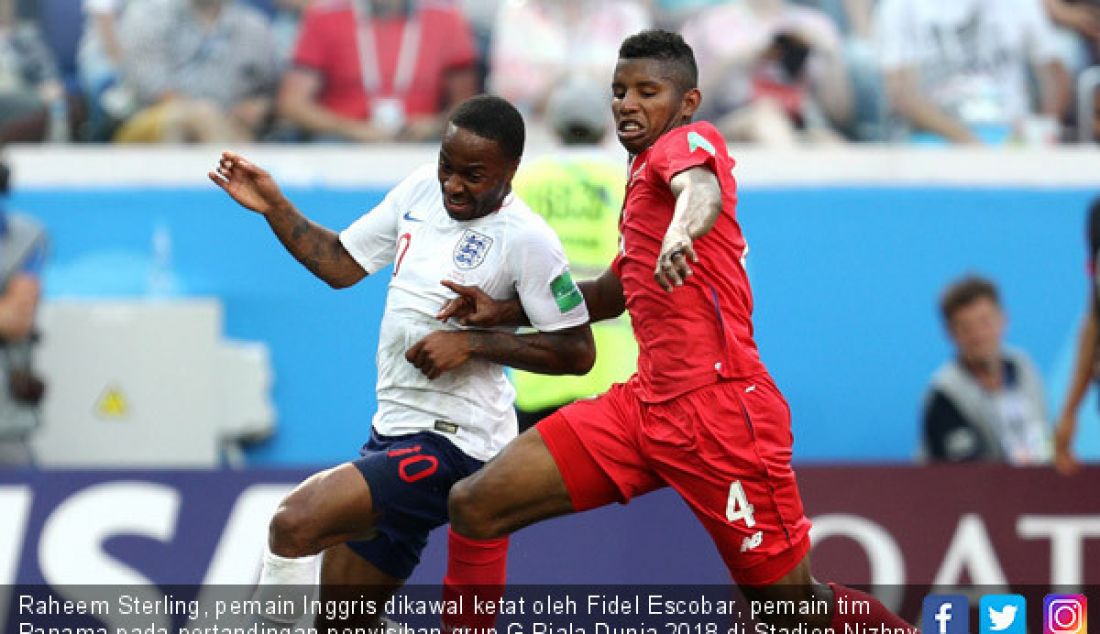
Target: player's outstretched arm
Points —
{"points": [[317, 248], [698, 205], [567, 351], [474, 307], [1066, 428]]}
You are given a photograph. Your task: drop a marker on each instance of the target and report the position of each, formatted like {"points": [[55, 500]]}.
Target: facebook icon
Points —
{"points": [[945, 614]]}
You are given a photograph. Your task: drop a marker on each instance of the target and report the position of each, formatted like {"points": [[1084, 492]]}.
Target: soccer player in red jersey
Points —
{"points": [[701, 414]]}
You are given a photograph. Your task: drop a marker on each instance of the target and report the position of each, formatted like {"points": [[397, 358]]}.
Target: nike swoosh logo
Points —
{"points": [[408, 216]]}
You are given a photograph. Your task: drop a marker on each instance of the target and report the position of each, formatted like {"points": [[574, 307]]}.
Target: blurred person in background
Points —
{"points": [[286, 24], [986, 404], [540, 44], [1081, 18], [22, 253], [1085, 365], [99, 64], [579, 191], [957, 70], [33, 104], [200, 71], [854, 20], [482, 16], [671, 14], [775, 72], [378, 70]]}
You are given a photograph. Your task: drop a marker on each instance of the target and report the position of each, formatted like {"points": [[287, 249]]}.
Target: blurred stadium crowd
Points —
{"points": [[776, 72]]}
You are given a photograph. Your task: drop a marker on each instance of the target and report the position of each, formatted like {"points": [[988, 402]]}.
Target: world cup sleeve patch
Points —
{"points": [[696, 141], [566, 293]]}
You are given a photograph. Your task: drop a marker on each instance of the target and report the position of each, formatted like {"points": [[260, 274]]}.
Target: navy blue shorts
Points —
{"points": [[409, 479]]}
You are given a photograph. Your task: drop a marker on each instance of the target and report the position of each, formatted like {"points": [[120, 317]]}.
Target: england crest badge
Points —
{"points": [[471, 248]]}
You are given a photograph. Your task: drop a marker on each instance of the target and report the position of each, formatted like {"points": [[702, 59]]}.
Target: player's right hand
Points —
{"points": [[473, 307], [439, 352], [252, 187]]}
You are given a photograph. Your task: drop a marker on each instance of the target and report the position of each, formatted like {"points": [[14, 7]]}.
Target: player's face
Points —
{"points": [[474, 174], [977, 329], [647, 102]]}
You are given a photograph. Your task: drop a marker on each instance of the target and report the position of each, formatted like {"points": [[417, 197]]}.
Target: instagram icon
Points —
{"points": [[1065, 614]]}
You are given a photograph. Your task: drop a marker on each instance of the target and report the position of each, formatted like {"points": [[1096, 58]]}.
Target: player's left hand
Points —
{"points": [[439, 352], [673, 263]]}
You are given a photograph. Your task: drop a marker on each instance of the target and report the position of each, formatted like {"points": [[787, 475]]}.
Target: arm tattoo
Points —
{"points": [[317, 248]]}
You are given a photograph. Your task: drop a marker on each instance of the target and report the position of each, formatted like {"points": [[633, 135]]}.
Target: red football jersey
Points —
{"points": [[702, 331]]}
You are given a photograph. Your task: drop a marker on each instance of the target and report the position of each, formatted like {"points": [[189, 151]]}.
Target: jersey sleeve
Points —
{"points": [[372, 238], [687, 147], [550, 296]]}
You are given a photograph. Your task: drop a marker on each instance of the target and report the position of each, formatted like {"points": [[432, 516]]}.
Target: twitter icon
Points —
{"points": [[1002, 614]]}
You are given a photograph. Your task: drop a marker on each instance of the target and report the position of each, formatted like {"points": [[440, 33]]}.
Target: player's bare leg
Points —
{"points": [[520, 486], [348, 579], [799, 585], [327, 509]]}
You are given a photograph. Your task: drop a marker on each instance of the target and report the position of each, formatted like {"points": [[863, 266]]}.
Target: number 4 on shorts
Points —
{"points": [[738, 507]]}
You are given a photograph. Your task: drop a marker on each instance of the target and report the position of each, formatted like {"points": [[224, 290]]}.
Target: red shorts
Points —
{"points": [[725, 448]]}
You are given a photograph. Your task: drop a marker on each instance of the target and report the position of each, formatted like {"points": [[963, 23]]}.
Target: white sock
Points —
{"points": [[288, 582], [391, 626]]}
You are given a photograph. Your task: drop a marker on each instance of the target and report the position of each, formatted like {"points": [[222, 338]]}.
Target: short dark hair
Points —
{"points": [[964, 292], [667, 47], [493, 118]]}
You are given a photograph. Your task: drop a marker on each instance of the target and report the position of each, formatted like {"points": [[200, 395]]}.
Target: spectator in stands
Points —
{"points": [[957, 70], [539, 44], [482, 16], [854, 19], [286, 24], [580, 194], [99, 63], [32, 98], [201, 70], [774, 71], [1081, 17], [987, 403], [22, 252], [378, 70], [672, 14]]}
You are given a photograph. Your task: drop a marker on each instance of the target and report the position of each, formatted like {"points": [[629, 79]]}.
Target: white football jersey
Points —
{"points": [[509, 253]]}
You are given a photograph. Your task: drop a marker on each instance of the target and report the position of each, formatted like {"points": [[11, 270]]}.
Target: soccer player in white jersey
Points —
{"points": [[444, 405]]}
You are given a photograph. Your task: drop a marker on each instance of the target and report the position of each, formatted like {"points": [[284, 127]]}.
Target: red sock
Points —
{"points": [[853, 606], [476, 570]]}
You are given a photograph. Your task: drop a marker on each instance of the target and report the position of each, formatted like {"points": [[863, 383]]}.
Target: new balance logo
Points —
{"points": [[749, 543]]}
